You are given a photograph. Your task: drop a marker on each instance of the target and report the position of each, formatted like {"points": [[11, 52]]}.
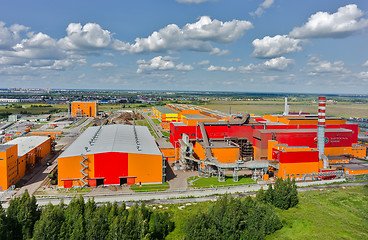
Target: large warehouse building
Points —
{"points": [[19, 156], [111, 155]]}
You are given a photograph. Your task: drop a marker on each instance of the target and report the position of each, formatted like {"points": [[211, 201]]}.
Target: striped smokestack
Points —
{"points": [[321, 126]]}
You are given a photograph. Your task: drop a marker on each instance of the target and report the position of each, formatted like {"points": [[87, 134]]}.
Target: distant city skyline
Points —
{"points": [[186, 45]]}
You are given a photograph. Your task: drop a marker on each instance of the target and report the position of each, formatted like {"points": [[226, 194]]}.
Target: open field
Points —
{"points": [[32, 109], [328, 214], [340, 213], [339, 109]]}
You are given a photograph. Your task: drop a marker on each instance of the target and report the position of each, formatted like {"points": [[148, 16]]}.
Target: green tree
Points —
{"points": [[261, 195], [23, 214], [4, 230], [50, 223], [160, 225]]}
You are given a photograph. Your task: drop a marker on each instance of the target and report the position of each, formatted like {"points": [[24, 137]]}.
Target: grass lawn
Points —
{"points": [[156, 121], [213, 182], [150, 187], [329, 214]]}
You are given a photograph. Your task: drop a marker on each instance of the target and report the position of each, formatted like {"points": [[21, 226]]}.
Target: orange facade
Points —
{"points": [[169, 154], [143, 168], [296, 169], [84, 109], [14, 167], [225, 154]]}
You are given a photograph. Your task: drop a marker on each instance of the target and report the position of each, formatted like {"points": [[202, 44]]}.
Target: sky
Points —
{"points": [[294, 46]]}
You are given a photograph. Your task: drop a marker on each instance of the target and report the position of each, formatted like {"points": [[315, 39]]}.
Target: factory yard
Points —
{"points": [[80, 135]]}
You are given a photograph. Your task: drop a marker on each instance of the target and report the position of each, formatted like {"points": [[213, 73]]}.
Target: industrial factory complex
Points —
{"points": [[301, 146]]}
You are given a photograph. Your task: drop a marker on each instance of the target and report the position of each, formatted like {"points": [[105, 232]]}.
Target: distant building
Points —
{"points": [[83, 109]]}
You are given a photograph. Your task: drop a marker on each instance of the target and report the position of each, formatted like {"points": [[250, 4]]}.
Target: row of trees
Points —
{"points": [[233, 218], [228, 218], [80, 220]]}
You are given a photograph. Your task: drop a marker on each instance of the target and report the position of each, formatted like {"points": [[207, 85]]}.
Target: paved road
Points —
{"points": [[154, 127], [190, 195]]}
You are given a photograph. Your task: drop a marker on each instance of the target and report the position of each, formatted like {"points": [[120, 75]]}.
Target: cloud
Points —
{"points": [[363, 75], [196, 36], [280, 63], [104, 65], [260, 9], [319, 66], [88, 37], [9, 36], [246, 69], [193, 1], [343, 23], [204, 62], [223, 69], [161, 63], [365, 64], [270, 47]]}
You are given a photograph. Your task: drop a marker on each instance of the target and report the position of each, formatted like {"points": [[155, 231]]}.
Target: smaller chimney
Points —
{"points": [[286, 110], [321, 130]]}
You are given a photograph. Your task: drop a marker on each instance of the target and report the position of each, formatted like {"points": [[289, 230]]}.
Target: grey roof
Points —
{"points": [[113, 138], [302, 130], [3, 147], [165, 110], [26, 144], [197, 116]]}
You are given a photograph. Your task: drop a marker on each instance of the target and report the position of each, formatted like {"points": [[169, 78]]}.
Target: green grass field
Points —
{"points": [[339, 109], [150, 187], [213, 182], [328, 214]]}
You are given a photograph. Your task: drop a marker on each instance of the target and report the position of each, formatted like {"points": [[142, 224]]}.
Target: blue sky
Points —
{"points": [[208, 45]]}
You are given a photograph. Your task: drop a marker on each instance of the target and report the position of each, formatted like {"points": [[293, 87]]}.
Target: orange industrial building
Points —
{"points": [[19, 156], [290, 145], [111, 155], [188, 114], [83, 109]]}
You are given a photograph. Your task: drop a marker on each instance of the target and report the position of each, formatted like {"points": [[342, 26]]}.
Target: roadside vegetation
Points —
{"points": [[213, 182], [150, 187]]}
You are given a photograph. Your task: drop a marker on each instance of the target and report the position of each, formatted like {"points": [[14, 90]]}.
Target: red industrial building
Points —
{"points": [[289, 140]]}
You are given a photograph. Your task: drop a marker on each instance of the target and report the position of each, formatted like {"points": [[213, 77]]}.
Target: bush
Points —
{"points": [[284, 195]]}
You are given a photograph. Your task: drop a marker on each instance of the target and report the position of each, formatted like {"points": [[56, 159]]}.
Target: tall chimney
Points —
{"points": [[286, 110], [321, 129]]}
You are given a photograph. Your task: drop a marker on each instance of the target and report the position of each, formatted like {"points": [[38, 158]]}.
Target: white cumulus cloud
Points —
{"points": [[269, 47], [220, 68], [342, 23], [104, 65], [161, 63], [88, 37], [264, 5], [196, 36], [321, 66], [280, 63]]}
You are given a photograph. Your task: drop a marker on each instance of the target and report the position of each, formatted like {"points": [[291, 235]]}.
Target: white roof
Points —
{"points": [[26, 144], [113, 138]]}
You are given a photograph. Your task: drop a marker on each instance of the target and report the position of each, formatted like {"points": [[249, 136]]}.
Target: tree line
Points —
{"points": [[227, 218]]}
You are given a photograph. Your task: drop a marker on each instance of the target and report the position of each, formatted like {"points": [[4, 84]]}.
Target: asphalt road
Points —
{"points": [[190, 196]]}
